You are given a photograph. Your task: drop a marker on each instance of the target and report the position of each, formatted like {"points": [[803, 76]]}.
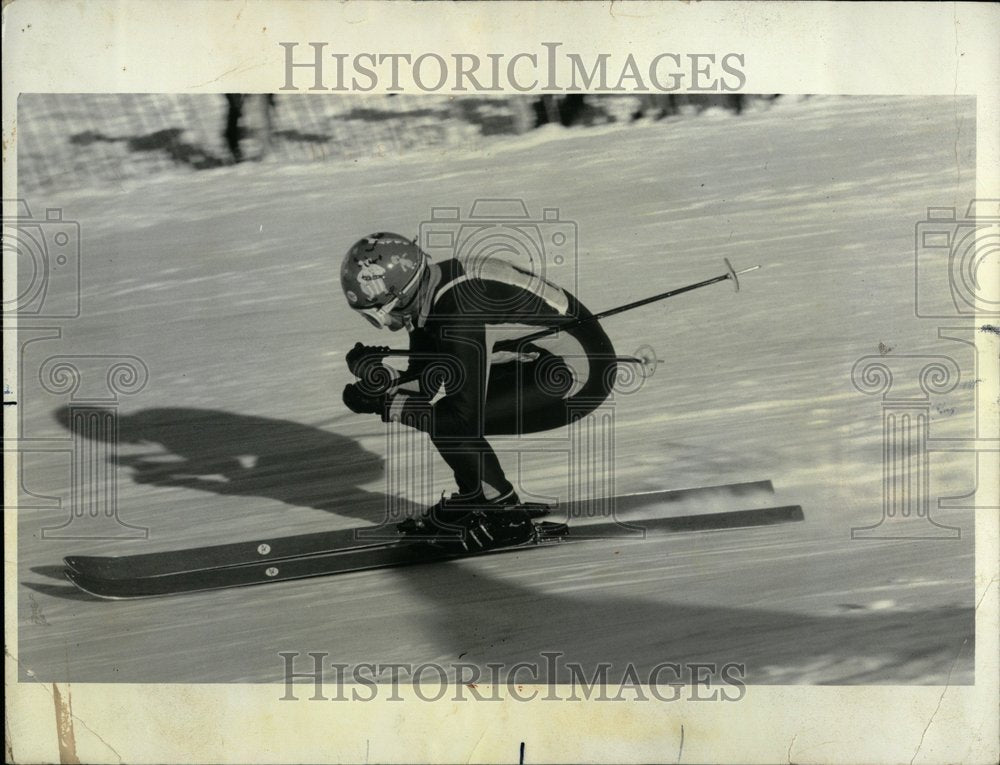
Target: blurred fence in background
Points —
{"points": [[85, 140]]}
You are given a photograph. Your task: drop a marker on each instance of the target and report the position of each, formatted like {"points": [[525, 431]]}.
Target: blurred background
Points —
{"points": [[76, 140]]}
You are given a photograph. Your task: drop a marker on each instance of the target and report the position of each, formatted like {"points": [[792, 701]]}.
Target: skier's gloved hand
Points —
{"points": [[362, 401], [361, 355]]}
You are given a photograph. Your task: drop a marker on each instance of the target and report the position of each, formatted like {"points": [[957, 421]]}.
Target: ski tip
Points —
{"points": [[80, 582], [74, 579], [84, 564]]}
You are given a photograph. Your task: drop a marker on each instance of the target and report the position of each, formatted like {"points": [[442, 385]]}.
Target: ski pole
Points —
{"points": [[731, 275]]}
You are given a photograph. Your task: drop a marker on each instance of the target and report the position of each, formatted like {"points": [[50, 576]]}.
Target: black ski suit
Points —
{"points": [[509, 388]]}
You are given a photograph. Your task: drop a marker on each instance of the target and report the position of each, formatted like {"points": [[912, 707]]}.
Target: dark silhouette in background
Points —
{"points": [[565, 110], [168, 140], [235, 132]]}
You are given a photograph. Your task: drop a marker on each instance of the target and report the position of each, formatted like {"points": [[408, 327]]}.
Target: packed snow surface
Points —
{"points": [[225, 284]]}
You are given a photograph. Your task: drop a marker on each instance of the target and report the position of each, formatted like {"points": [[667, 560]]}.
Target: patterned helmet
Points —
{"points": [[381, 277]]}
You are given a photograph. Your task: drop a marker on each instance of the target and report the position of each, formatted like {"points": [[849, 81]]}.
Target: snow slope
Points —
{"points": [[225, 284]]}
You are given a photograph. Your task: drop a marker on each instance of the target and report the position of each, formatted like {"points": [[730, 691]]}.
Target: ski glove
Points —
{"points": [[362, 355], [361, 401]]}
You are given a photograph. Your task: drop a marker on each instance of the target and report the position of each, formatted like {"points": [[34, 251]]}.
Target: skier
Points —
{"points": [[494, 388]]}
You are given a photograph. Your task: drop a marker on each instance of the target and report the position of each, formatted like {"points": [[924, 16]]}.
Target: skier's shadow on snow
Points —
{"points": [[236, 454]]}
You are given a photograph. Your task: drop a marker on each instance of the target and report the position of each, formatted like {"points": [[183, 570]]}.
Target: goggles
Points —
{"points": [[386, 316]]}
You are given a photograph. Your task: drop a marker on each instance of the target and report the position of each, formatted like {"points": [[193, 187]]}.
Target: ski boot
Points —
{"points": [[470, 524]]}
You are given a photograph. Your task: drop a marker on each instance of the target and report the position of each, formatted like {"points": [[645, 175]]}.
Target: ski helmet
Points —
{"points": [[381, 276]]}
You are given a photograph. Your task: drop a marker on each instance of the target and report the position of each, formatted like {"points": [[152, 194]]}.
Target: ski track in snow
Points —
{"points": [[225, 284]]}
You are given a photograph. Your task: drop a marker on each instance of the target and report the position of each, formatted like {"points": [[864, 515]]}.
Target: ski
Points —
{"points": [[408, 551], [239, 553]]}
